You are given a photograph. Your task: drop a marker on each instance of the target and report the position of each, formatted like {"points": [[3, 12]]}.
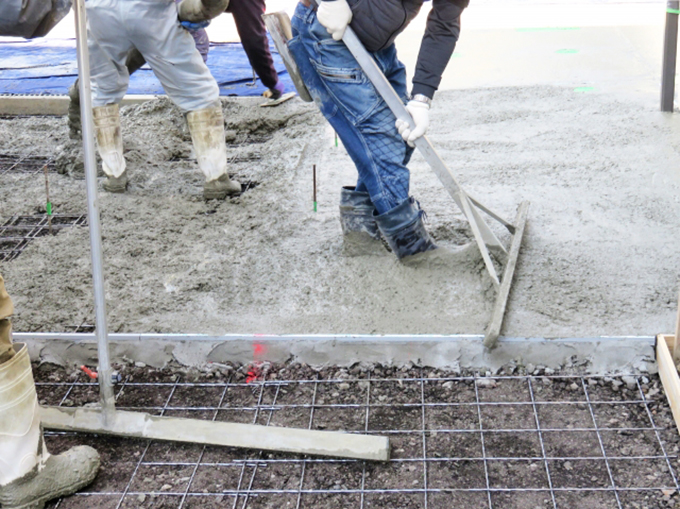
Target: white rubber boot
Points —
{"points": [[29, 475], [207, 133], [110, 145]]}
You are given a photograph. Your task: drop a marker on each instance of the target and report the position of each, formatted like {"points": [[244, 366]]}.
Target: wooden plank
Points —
{"points": [[50, 104], [494, 328], [675, 350], [250, 436], [669, 375]]}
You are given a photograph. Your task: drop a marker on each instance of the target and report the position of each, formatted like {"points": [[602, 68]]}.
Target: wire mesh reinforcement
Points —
{"points": [[504, 442], [27, 164], [19, 231]]}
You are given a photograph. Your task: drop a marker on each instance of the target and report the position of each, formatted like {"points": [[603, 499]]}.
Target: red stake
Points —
{"points": [[89, 372]]}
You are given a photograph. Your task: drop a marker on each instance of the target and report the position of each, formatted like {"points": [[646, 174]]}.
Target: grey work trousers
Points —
{"points": [[115, 27]]}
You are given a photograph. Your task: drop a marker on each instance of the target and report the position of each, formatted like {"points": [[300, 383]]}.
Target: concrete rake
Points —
{"points": [[108, 420], [280, 28]]}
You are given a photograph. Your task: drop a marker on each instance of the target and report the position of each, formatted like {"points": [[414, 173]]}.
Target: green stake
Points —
{"points": [[336, 139], [314, 180]]}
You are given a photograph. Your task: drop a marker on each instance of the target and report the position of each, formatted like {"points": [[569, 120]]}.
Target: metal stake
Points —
{"points": [[670, 53], [104, 369], [48, 203]]}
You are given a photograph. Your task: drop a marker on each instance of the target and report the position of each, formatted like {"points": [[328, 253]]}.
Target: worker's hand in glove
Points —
{"points": [[193, 27], [420, 112], [335, 15]]}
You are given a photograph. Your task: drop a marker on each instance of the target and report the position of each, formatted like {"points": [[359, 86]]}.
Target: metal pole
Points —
{"points": [[104, 369], [670, 53]]}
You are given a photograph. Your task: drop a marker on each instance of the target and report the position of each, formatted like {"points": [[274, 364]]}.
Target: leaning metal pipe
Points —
{"points": [[670, 54], [197, 11], [105, 384]]}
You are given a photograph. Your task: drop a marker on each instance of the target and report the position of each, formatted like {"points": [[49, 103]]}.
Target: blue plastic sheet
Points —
{"points": [[48, 67]]}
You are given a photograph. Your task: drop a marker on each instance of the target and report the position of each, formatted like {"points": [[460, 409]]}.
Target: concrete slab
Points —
{"points": [[603, 355]]}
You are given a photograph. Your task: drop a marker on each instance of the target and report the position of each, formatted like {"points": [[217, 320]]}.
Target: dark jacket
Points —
{"points": [[31, 18], [378, 22]]}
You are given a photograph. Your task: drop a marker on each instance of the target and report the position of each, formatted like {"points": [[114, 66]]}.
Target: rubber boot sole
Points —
{"points": [[220, 189], [66, 466], [40, 502], [116, 185]]}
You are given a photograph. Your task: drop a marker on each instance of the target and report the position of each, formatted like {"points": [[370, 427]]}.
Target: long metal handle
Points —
{"points": [[670, 54], [104, 369]]}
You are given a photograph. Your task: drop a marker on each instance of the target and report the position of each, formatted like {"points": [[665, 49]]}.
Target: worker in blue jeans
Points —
{"points": [[379, 145]]}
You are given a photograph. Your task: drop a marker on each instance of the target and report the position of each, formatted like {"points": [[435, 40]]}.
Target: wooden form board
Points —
{"points": [[669, 373], [250, 436], [50, 105]]}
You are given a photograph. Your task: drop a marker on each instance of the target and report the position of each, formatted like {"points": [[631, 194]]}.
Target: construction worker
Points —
{"points": [[133, 62], [253, 34], [379, 145], [31, 18], [115, 28], [29, 475]]}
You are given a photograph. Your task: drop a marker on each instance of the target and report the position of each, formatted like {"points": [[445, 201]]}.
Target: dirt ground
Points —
{"points": [[457, 440], [601, 173]]}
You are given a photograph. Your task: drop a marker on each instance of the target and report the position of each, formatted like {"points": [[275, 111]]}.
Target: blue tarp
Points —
{"points": [[48, 67]]}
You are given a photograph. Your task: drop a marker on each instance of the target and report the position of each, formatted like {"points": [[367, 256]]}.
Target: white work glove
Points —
{"points": [[335, 15], [420, 112]]}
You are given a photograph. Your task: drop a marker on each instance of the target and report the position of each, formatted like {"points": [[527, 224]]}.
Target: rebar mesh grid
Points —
{"points": [[28, 164], [83, 327], [19, 231], [469, 441]]}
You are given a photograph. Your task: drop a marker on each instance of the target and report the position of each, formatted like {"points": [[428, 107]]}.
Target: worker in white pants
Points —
{"points": [[152, 27], [29, 475]]}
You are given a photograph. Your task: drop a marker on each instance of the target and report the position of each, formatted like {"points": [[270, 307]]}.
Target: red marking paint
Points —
{"points": [[253, 373], [258, 348]]}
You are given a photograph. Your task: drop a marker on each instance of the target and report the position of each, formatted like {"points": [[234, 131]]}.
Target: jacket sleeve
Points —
{"points": [[441, 35], [31, 18]]}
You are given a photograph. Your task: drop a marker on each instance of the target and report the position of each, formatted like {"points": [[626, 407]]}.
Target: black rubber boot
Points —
{"points": [[360, 231], [404, 229]]}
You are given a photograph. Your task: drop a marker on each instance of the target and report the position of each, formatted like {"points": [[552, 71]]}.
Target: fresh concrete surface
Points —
{"points": [[603, 355]]}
